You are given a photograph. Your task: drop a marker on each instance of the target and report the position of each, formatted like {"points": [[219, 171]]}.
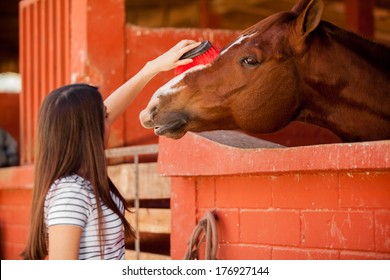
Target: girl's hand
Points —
{"points": [[121, 98], [170, 59]]}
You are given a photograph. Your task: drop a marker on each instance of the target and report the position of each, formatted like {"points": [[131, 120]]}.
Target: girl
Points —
{"points": [[77, 213]]}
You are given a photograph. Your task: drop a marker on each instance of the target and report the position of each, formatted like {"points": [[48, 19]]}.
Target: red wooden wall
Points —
{"points": [[64, 41], [44, 61], [144, 44]]}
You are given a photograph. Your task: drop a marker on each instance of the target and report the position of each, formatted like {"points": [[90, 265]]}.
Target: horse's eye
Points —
{"points": [[250, 61]]}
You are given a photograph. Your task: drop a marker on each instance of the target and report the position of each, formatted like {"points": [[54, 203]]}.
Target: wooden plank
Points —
{"points": [[132, 150], [151, 185], [151, 220], [131, 255]]}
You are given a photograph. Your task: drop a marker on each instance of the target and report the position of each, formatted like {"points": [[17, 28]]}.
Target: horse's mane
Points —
{"points": [[373, 52], [280, 18]]}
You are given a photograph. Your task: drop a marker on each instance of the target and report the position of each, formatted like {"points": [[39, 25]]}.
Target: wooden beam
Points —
{"points": [[360, 17], [151, 185], [132, 150], [207, 19], [152, 220]]}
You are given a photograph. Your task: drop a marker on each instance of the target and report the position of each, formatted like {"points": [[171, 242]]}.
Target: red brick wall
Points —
{"points": [[15, 206], [296, 214]]}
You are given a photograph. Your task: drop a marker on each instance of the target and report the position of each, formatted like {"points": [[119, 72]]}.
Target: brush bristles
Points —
{"points": [[204, 59]]}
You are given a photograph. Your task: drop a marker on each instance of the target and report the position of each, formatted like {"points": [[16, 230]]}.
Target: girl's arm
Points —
{"points": [[121, 98], [64, 242]]}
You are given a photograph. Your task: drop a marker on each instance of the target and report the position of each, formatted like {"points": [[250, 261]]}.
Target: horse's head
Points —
{"points": [[253, 84]]}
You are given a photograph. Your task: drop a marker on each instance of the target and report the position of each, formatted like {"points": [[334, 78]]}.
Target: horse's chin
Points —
{"points": [[174, 130]]}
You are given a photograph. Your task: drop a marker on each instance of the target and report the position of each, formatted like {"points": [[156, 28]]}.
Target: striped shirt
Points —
{"points": [[71, 201]]}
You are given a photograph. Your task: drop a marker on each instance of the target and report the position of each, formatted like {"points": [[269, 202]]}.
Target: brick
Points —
{"points": [[270, 227], [243, 252], [382, 231], [15, 215], [228, 221], [284, 253], [243, 192], [365, 190], [17, 177], [12, 251], [202, 251], [183, 214], [205, 192], [15, 234], [306, 191], [16, 197], [338, 230], [353, 255]]}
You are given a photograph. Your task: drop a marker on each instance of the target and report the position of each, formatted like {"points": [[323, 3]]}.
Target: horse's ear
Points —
{"points": [[300, 6], [309, 16]]}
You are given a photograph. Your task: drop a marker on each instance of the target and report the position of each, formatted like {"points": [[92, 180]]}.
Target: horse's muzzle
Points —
{"points": [[171, 128]]}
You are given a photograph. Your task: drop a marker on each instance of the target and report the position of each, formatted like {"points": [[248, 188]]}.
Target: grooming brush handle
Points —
{"points": [[202, 48]]}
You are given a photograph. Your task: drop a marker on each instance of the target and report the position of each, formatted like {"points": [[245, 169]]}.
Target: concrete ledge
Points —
{"points": [[231, 152]]}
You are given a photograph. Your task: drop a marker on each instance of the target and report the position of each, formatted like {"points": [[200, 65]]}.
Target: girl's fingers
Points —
{"points": [[190, 47], [187, 48], [170, 59], [184, 62], [184, 43]]}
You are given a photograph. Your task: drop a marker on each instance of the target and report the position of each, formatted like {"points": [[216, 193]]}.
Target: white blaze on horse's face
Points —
{"points": [[170, 87], [238, 41], [167, 89]]}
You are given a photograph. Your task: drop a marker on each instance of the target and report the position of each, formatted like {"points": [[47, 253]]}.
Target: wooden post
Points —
{"points": [[207, 19], [98, 49], [360, 16], [64, 41]]}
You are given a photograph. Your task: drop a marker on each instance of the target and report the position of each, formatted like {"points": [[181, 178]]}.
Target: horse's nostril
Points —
{"points": [[146, 119], [148, 115], [153, 112]]}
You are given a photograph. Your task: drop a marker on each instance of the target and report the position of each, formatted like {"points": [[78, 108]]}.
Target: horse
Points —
{"points": [[291, 66]]}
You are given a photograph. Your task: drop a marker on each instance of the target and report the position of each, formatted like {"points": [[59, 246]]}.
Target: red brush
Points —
{"points": [[205, 53]]}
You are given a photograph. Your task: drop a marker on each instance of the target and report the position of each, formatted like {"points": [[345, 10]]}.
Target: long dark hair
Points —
{"points": [[70, 140]]}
